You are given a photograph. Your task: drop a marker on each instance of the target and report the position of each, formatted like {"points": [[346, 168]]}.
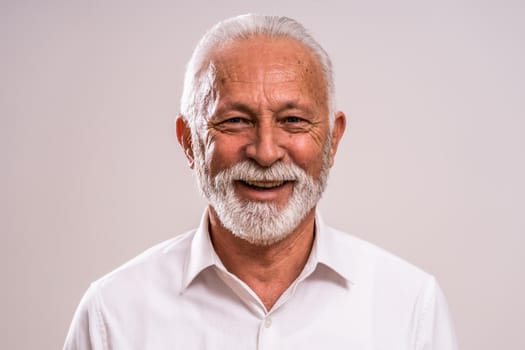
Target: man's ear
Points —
{"points": [[183, 131], [337, 133]]}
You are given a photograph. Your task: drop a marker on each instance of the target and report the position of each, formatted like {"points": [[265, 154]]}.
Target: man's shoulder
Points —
{"points": [[380, 263], [162, 261], [404, 298]]}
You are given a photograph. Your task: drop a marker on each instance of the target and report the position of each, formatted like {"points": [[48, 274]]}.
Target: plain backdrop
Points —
{"points": [[431, 166]]}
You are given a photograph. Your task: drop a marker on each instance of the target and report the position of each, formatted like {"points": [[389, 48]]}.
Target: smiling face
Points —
{"points": [[265, 150]]}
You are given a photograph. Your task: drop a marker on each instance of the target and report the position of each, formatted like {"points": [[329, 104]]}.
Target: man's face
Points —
{"points": [[270, 118]]}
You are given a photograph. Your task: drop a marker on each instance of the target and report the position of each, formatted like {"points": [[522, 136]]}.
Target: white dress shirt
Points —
{"points": [[178, 295]]}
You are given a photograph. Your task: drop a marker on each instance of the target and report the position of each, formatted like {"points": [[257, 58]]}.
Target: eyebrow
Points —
{"points": [[291, 105], [237, 106], [294, 105], [233, 106]]}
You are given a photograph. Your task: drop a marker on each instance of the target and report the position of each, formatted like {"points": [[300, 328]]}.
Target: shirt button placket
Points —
{"points": [[266, 336]]}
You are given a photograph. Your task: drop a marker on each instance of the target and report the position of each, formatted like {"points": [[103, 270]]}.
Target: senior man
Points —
{"points": [[262, 270]]}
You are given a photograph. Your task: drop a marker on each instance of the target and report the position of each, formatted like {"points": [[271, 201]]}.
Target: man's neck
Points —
{"points": [[267, 270]]}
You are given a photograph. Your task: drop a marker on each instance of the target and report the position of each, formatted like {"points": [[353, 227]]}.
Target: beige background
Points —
{"points": [[431, 167]]}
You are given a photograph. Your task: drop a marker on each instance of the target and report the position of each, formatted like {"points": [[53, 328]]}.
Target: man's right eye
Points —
{"points": [[234, 124], [235, 120]]}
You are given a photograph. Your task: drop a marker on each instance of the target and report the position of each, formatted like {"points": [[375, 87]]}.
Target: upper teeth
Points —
{"points": [[265, 184]]}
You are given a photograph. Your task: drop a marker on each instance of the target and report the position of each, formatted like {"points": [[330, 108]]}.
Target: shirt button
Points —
{"points": [[268, 322]]}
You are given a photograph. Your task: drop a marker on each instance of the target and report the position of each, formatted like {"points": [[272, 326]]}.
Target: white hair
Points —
{"points": [[198, 92]]}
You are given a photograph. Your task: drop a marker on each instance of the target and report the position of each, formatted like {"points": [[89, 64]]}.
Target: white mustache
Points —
{"points": [[249, 171]]}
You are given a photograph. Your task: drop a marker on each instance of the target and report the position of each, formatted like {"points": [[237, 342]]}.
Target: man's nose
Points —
{"points": [[265, 147]]}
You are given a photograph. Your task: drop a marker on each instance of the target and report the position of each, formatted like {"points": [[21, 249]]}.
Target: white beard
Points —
{"points": [[261, 223]]}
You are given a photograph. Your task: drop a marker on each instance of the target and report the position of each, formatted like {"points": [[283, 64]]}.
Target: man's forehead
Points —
{"points": [[264, 60], [270, 74]]}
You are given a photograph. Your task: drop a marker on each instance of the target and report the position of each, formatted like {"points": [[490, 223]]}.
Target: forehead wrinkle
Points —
{"points": [[264, 74]]}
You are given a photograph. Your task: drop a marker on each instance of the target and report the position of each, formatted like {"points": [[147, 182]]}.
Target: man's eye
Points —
{"points": [[235, 120], [233, 124], [295, 124], [293, 119]]}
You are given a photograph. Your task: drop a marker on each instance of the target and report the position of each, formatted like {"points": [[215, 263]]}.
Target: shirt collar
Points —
{"points": [[201, 254], [336, 250], [330, 248]]}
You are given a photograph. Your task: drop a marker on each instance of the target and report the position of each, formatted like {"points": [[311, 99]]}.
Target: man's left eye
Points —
{"points": [[293, 119]]}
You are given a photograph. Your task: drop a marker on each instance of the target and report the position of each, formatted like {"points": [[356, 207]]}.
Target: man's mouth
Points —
{"points": [[263, 185]]}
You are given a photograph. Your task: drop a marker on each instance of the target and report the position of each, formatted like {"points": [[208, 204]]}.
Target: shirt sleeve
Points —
{"points": [[435, 328], [87, 330]]}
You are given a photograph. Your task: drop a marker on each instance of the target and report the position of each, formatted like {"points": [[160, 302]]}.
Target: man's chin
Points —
{"points": [[264, 241], [257, 223]]}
